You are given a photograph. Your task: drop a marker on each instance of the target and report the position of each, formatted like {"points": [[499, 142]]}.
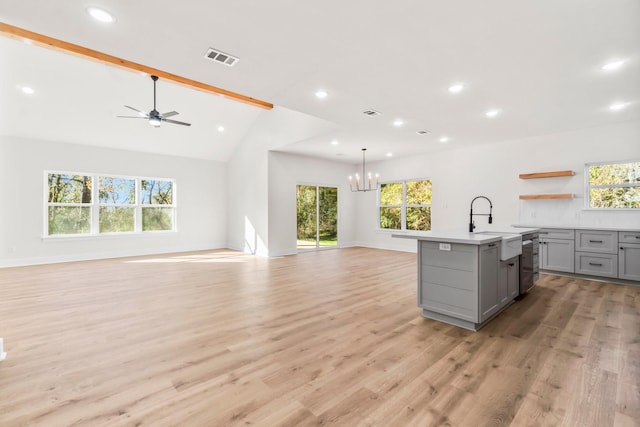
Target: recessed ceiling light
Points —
{"points": [[321, 94], [492, 113], [220, 128], [456, 88], [389, 154], [618, 106], [100, 15], [613, 65], [444, 139], [334, 142], [27, 90], [398, 123]]}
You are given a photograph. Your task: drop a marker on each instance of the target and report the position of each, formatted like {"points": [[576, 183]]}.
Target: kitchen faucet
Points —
{"points": [[471, 214]]}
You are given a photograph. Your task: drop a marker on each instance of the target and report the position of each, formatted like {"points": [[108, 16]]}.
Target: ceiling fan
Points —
{"points": [[154, 117]]}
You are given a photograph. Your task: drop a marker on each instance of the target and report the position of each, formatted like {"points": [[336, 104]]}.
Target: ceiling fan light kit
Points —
{"points": [[154, 117]]}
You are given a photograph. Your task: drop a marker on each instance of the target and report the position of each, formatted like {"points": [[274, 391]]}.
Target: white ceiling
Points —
{"points": [[537, 61]]}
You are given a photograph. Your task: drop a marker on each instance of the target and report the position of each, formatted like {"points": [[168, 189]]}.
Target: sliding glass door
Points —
{"points": [[317, 208]]}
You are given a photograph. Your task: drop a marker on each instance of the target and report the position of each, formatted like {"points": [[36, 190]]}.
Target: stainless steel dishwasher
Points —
{"points": [[529, 267]]}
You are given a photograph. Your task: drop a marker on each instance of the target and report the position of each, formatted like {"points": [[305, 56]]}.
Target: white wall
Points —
{"points": [[492, 171], [201, 196], [286, 171], [249, 204], [249, 189]]}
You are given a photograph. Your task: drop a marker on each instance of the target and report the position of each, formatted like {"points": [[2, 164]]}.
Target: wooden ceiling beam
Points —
{"points": [[74, 49]]}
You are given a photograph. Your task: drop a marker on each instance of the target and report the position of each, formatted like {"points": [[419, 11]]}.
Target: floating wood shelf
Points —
{"points": [[546, 174], [545, 196]]}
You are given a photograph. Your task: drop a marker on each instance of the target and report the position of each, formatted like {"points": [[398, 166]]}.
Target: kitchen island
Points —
{"points": [[465, 279]]}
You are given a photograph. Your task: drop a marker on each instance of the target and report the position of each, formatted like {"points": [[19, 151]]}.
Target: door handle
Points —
{"points": [[595, 241], [595, 264]]}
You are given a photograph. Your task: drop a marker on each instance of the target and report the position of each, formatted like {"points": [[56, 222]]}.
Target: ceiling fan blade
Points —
{"points": [[132, 117], [138, 111], [175, 122], [169, 114]]}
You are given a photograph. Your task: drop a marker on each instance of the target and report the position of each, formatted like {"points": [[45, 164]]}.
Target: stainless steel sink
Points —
{"points": [[510, 244]]}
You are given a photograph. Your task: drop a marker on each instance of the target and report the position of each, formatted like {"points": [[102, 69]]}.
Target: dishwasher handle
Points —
{"points": [[527, 242]]}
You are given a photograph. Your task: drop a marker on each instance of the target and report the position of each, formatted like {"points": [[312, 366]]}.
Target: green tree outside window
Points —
{"points": [[614, 185], [406, 205]]}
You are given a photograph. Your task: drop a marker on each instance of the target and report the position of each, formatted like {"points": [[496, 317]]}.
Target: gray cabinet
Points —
{"points": [[596, 264], [508, 280], [600, 241], [459, 283], [513, 278], [489, 299], [448, 279], [557, 254], [597, 253], [557, 233], [629, 255], [604, 253]]}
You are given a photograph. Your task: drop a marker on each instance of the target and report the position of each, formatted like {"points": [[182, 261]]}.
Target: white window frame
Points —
{"points": [[588, 186], [403, 207], [133, 205], [95, 206], [317, 186]]}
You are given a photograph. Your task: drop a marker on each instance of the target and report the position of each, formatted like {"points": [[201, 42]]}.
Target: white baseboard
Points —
{"points": [[22, 262], [27, 261], [283, 252], [386, 247]]}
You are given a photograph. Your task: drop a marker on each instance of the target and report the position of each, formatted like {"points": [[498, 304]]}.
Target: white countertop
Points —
{"points": [[478, 237], [581, 227], [507, 229], [452, 237]]}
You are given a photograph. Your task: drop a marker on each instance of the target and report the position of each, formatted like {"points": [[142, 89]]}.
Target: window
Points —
{"points": [[69, 204], [117, 205], [157, 205], [405, 205], [613, 185], [80, 204]]}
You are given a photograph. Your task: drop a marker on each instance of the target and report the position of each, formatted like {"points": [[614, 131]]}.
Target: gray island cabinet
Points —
{"points": [[461, 279]]}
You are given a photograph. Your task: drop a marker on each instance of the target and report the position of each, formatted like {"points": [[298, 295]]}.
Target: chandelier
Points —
{"points": [[360, 184]]}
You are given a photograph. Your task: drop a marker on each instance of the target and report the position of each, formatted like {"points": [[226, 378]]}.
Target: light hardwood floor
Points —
{"points": [[220, 338]]}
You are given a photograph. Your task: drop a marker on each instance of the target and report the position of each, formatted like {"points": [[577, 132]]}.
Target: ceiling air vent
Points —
{"points": [[371, 113], [423, 132], [221, 57]]}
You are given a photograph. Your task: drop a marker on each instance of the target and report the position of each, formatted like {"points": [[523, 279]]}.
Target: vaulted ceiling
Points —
{"points": [[537, 62]]}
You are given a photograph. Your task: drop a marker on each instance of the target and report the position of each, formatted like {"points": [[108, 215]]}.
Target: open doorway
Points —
{"points": [[317, 213]]}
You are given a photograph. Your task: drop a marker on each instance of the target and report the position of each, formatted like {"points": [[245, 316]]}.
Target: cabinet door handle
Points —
{"points": [[595, 241], [622, 249], [637, 237], [491, 245], [595, 264], [511, 264]]}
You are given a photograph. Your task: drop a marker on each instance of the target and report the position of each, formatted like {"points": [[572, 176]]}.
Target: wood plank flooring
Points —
{"points": [[219, 338]]}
